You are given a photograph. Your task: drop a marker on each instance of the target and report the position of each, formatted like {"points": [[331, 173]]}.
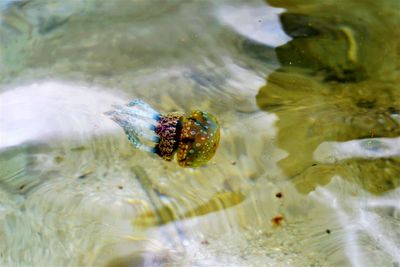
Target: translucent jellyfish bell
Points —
{"points": [[193, 137]]}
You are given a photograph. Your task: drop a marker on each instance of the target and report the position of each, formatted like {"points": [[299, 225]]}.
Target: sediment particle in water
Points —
{"points": [[328, 231], [58, 159], [277, 220], [205, 242]]}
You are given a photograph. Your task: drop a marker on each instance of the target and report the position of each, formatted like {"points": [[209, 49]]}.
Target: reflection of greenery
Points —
{"points": [[338, 82], [375, 176], [347, 40]]}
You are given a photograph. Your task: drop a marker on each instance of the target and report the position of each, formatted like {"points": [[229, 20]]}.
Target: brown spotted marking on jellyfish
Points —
{"points": [[194, 138]]}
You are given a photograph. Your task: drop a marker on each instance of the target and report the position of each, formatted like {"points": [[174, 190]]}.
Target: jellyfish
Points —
{"points": [[192, 137]]}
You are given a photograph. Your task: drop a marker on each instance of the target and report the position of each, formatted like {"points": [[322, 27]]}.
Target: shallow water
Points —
{"points": [[307, 172]]}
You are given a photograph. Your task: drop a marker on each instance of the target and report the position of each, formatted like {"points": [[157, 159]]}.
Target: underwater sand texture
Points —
{"points": [[96, 201]]}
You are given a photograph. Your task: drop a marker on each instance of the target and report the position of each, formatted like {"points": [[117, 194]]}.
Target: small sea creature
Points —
{"points": [[193, 137]]}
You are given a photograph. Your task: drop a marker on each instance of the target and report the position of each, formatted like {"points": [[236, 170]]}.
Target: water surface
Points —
{"points": [[307, 172]]}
